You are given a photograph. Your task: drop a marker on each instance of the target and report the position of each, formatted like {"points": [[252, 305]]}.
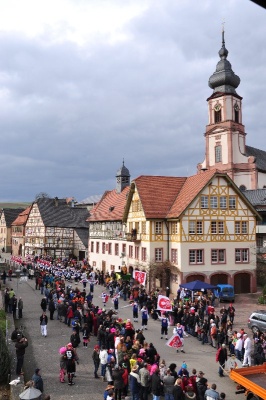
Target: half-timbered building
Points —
{"points": [[203, 225], [57, 228]]}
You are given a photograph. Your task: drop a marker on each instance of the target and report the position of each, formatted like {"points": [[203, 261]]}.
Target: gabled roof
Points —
{"points": [[110, 207], [11, 214], [157, 193], [260, 157], [192, 186], [56, 212], [22, 217], [83, 234]]}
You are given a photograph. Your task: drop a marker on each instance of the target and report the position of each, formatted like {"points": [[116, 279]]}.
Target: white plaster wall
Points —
{"points": [[261, 180]]}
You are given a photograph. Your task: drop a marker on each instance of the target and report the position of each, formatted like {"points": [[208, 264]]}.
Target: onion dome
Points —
{"points": [[224, 79]]}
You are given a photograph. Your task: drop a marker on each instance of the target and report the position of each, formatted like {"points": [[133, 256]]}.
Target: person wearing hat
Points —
{"points": [[70, 357], [37, 379]]}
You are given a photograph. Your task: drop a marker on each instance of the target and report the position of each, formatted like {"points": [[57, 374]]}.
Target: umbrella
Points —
{"points": [[30, 394]]}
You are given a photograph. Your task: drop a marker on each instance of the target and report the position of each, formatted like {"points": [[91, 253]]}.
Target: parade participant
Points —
{"points": [[85, 335], [144, 317], [43, 323], [62, 364], [164, 326], [70, 363], [179, 330], [135, 309]]}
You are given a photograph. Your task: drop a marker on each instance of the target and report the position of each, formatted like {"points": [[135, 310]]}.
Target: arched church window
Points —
{"points": [[217, 113], [242, 188]]}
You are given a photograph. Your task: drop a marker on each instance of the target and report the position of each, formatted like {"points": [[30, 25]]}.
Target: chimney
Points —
{"points": [[56, 201]]}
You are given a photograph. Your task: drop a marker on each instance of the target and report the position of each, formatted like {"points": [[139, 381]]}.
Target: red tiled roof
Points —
{"points": [[157, 193], [22, 217], [193, 185], [110, 207]]}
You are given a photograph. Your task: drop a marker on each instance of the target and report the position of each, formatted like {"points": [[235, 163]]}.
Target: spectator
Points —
{"points": [[37, 379], [212, 394]]}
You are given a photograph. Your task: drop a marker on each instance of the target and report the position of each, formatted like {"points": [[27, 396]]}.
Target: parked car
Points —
{"points": [[225, 292], [257, 321]]}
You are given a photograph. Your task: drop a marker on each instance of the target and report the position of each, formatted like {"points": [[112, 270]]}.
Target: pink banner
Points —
{"points": [[174, 342], [140, 276], [163, 303]]}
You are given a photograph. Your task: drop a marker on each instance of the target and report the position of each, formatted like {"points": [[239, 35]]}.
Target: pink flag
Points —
{"points": [[140, 276], [164, 303], [174, 342]]}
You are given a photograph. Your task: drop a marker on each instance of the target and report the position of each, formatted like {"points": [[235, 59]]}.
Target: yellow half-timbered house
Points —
{"points": [[202, 224]]}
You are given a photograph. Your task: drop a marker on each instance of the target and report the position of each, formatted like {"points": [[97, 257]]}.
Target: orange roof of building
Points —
{"points": [[110, 207], [22, 217], [157, 193], [191, 188]]}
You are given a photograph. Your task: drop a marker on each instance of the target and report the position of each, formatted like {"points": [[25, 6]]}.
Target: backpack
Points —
{"points": [[217, 354]]}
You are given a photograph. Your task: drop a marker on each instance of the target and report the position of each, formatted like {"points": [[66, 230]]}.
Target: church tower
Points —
{"points": [[122, 178], [225, 137]]}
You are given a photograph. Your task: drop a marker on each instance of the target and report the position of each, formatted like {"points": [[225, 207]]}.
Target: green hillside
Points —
{"points": [[14, 205]]}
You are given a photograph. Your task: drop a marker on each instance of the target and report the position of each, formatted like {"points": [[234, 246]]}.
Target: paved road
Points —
{"points": [[43, 352]]}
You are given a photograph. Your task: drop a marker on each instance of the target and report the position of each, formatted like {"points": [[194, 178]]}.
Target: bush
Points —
{"points": [[5, 361]]}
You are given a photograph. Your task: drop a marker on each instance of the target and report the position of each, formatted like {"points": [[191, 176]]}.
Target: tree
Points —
{"points": [[159, 271], [42, 195]]}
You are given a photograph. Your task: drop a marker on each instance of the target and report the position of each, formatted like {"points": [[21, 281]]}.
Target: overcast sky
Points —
{"points": [[86, 83]]}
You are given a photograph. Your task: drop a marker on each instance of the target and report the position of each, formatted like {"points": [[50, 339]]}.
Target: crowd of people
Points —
{"points": [[123, 356]]}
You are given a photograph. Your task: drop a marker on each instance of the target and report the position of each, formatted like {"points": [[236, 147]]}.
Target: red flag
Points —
{"points": [[164, 303], [140, 276], [174, 342]]}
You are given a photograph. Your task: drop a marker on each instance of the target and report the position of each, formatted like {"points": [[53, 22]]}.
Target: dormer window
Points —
{"points": [[236, 110], [217, 113]]}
